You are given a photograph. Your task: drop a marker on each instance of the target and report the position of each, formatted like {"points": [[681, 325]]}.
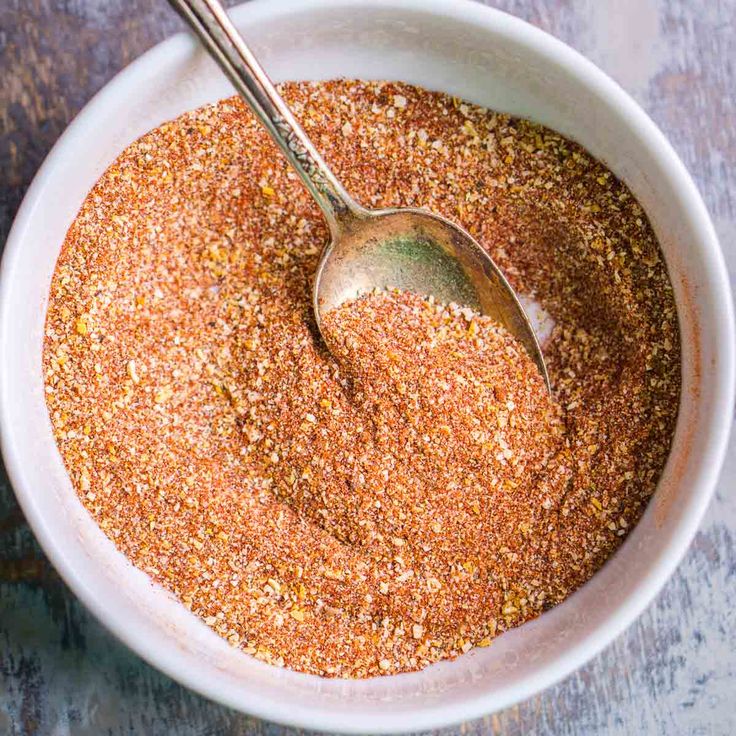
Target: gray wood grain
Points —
{"points": [[673, 672]]}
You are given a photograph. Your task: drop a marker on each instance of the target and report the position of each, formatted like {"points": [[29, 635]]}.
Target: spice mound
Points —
{"points": [[414, 491]]}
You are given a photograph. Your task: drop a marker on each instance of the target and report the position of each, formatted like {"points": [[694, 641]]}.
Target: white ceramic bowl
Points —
{"points": [[487, 57]]}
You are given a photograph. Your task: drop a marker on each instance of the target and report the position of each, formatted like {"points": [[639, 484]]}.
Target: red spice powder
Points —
{"points": [[414, 493]]}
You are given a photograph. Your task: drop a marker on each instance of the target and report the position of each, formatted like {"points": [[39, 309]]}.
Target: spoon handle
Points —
{"points": [[210, 22]]}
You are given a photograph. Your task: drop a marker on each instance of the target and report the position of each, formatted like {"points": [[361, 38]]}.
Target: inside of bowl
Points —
{"points": [[469, 52]]}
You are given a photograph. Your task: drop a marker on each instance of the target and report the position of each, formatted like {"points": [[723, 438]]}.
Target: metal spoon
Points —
{"points": [[407, 249]]}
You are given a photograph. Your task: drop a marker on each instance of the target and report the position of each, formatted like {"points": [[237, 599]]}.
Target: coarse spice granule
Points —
{"points": [[414, 494]]}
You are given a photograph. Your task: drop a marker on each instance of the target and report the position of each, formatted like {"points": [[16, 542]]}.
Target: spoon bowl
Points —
{"points": [[417, 251], [404, 249]]}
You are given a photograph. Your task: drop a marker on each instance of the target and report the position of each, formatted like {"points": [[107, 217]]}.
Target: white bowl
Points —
{"points": [[473, 52]]}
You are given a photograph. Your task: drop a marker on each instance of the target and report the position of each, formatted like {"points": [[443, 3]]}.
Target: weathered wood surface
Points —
{"points": [[673, 672]]}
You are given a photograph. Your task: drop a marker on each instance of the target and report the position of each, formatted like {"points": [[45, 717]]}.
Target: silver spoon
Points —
{"points": [[407, 249]]}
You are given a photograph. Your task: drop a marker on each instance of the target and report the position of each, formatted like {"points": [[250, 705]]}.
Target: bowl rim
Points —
{"points": [[718, 423]]}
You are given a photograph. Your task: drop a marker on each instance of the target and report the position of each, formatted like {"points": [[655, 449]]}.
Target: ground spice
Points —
{"points": [[406, 498]]}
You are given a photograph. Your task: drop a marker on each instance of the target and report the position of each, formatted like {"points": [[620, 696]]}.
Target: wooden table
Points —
{"points": [[672, 672]]}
